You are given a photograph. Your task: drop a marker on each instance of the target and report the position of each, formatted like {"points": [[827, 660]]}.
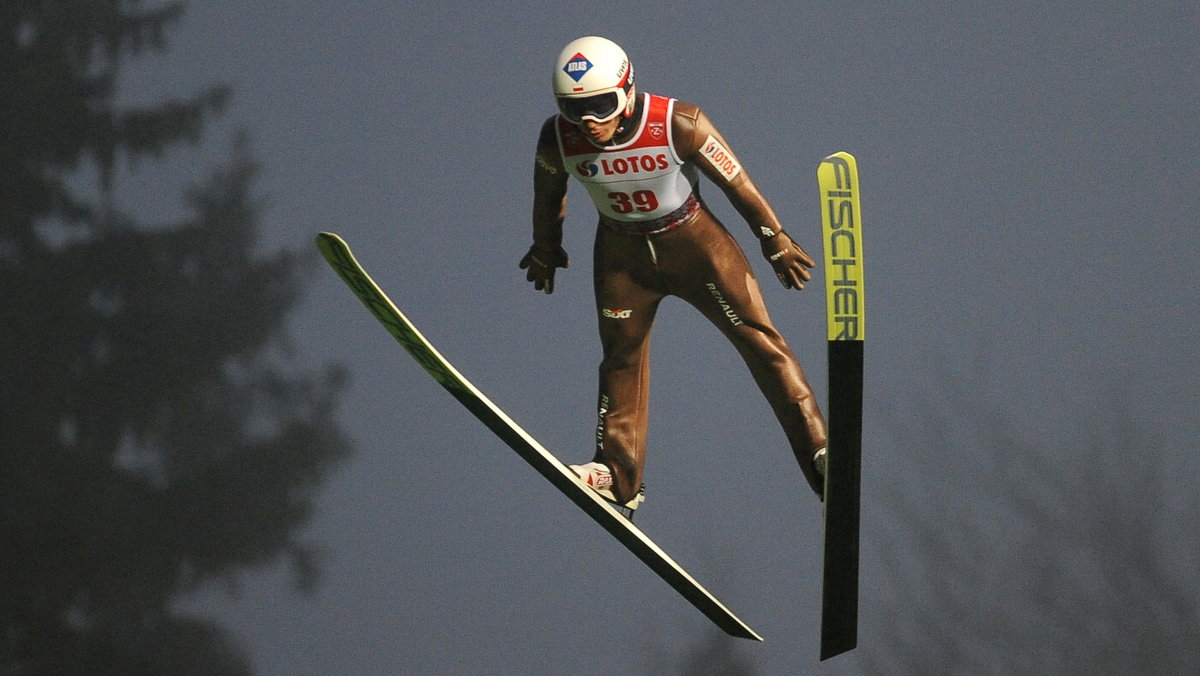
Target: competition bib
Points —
{"points": [[639, 180]]}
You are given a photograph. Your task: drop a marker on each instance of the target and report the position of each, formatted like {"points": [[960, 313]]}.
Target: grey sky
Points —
{"points": [[1030, 191]]}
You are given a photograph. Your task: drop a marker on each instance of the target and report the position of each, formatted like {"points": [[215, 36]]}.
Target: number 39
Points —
{"points": [[642, 200]]}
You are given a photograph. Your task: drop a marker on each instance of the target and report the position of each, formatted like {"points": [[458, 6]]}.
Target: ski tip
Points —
{"points": [[331, 245], [842, 154]]}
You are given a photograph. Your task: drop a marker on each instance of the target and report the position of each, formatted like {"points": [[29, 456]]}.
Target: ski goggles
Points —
{"points": [[598, 108]]}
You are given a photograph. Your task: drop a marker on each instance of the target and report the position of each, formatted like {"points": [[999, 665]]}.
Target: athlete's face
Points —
{"points": [[601, 132]]}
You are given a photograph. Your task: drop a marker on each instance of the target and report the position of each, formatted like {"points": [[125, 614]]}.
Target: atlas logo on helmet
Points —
{"points": [[577, 67]]}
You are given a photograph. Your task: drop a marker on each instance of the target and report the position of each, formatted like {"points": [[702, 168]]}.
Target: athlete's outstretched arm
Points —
{"points": [[698, 141], [549, 211]]}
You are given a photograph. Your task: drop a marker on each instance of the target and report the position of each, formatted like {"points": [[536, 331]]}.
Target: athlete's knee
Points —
{"points": [[622, 354]]}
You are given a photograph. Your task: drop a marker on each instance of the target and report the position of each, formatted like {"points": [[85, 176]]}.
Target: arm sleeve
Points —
{"points": [[697, 141], [549, 190]]}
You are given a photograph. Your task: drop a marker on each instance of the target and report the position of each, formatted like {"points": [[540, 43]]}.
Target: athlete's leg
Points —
{"points": [[710, 271], [627, 297]]}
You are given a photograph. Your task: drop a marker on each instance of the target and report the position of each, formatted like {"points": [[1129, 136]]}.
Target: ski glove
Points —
{"points": [[541, 264], [790, 262]]}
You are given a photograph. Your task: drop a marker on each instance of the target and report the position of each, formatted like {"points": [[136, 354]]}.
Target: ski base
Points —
{"points": [[839, 580], [337, 253]]}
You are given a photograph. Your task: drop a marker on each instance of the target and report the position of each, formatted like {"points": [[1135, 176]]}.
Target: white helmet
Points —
{"points": [[593, 80]]}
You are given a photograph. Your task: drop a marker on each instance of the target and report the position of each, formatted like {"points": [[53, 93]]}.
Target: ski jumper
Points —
{"points": [[656, 238]]}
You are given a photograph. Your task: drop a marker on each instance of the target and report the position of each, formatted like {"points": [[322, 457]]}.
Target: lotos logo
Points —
{"points": [[720, 157], [586, 168], [616, 314], [633, 164], [577, 67]]}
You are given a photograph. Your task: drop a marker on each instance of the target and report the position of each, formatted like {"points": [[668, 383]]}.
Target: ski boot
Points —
{"points": [[820, 459], [598, 477], [821, 464]]}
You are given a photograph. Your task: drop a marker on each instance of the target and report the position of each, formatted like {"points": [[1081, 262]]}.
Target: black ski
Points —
{"points": [[841, 221]]}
